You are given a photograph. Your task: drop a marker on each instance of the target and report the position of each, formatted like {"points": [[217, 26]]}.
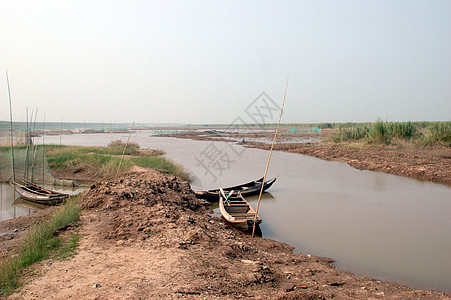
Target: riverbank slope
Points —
{"points": [[145, 235]]}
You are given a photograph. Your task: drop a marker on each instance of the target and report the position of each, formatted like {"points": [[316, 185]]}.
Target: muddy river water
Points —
{"points": [[374, 224]]}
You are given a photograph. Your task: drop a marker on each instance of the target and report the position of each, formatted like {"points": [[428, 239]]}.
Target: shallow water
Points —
{"points": [[10, 210], [13, 206], [374, 224]]}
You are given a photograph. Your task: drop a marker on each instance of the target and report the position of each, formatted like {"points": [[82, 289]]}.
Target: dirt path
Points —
{"points": [[147, 236]]}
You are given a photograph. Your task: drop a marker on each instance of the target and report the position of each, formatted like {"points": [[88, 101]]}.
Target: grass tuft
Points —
{"points": [[39, 244], [161, 164]]}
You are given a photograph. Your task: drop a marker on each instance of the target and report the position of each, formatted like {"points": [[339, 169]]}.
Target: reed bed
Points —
{"points": [[380, 132]]}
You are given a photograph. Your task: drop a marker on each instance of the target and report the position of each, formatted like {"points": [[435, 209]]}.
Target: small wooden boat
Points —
{"points": [[237, 211], [38, 194], [246, 189]]}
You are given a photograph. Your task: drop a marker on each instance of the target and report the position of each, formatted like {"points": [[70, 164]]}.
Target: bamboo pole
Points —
{"points": [[26, 154], [43, 149], [11, 121], [61, 132], [269, 159], [35, 146], [125, 147]]}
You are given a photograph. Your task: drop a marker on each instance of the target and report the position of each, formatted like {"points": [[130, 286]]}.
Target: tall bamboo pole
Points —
{"points": [[43, 149], [125, 147], [61, 132], [269, 159], [11, 121], [27, 142], [35, 146]]}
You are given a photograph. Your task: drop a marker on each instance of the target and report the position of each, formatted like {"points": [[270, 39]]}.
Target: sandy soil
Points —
{"points": [[147, 236], [399, 158]]}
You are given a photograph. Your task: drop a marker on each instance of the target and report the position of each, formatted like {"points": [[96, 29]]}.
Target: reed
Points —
{"points": [[439, 132], [403, 130]]}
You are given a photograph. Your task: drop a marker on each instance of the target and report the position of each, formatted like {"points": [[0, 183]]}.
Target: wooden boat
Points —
{"points": [[38, 194], [246, 189], [236, 210]]}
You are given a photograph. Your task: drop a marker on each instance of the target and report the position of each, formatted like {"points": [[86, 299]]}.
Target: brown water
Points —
{"points": [[374, 224]]}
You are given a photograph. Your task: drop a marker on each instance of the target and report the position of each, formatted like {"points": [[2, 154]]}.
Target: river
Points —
{"points": [[373, 224]]}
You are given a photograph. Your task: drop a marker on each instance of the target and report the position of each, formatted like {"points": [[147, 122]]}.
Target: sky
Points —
{"points": [[208, 61]]}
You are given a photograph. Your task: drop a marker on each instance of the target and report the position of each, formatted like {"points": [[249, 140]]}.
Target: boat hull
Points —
{"points": [[37, 194], [237, 211], [246, 190]]}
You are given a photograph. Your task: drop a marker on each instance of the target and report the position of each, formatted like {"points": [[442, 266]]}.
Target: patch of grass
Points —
{"points": [[379, 133], [79, 150], [402, 130], [120, 144], [103, 162], [384, 132], [161, 164], [439, 132], [350, 134], [68, 249], [39, 244]]}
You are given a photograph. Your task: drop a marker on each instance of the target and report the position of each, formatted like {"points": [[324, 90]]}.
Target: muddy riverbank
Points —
{"points": [[430, 163], [147, 236], [424, 163]]}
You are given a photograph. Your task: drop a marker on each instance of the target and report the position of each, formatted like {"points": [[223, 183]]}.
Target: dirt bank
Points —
{"points": [[12, 231], [424, 163], [431, 163], [147, 236]]}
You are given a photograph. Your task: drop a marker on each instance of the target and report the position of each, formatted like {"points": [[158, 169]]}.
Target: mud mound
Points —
{"points": [[141, 205]]}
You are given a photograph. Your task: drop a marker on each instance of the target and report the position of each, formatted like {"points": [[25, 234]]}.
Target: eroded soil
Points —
{"points": [[146, 236]]}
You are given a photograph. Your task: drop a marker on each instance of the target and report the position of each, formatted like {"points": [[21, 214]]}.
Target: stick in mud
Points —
{"points": [[125, 147]]}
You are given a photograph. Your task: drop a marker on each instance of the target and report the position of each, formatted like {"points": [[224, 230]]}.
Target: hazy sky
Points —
{"points": [[206, 61]]}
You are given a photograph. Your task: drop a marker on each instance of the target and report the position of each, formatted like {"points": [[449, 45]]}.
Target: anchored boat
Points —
{"points": [[236, 210], [38, 194], [246, 189]]}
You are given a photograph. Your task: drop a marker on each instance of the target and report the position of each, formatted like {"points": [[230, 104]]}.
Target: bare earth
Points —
{"points": [[147, 236]]}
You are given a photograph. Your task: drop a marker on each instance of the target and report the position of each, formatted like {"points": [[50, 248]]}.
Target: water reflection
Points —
{"points": [[8, 207], [13, 206]]}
